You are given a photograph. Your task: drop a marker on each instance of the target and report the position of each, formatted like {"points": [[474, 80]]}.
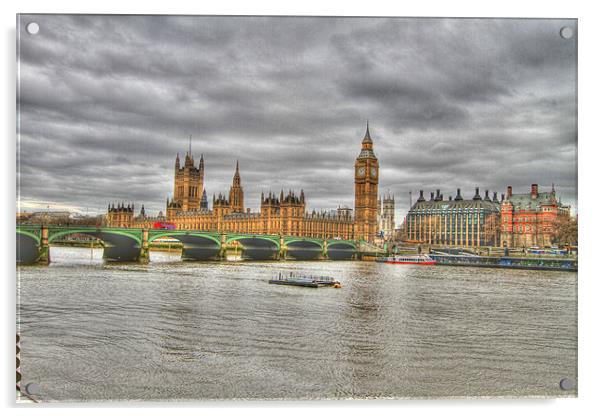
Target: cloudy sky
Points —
{"points": [[106, 102]]}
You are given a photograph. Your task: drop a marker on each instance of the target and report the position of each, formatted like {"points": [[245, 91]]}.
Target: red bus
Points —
{"points": [[164, 225]]}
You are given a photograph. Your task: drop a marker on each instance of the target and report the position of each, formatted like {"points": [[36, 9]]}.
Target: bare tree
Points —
{"points": [[565, 230], [492, 230]]}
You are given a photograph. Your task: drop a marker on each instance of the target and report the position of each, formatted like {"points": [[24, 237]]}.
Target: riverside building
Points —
{"points": [[454, 221], [386, 215], [283, 214], [528, 219]]}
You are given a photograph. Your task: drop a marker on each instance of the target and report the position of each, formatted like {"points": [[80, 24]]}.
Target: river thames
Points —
{"points": [[173, 330]]}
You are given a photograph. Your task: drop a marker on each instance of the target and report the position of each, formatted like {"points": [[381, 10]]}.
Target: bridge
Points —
{"points": [[132, 244]]}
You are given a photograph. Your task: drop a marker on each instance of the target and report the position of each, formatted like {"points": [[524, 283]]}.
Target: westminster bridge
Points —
{"points": [[132, 244]]}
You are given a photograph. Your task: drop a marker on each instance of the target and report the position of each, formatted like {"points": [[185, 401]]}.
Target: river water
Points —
{"points": [[173, 330]]}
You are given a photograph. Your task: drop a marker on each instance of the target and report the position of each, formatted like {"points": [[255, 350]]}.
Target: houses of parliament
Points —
{"points": [[283, 214]]}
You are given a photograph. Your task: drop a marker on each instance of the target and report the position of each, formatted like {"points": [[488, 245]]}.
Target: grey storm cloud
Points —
{"points": [[106, 102]]}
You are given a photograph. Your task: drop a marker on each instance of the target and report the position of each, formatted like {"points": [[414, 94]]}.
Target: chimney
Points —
{"points": [[458, 196], [476, 196], [487, 195], [450, 198], [502, 197], [437, 198], [432, 196], [534, 191], [509, 192], [421, 197], [495, 197]]}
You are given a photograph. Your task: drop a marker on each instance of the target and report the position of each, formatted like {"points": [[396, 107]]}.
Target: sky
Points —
{"points": [[106, 102]]}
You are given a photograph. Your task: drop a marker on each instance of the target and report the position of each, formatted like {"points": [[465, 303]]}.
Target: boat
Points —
{"points": [[527, 263], [419, 259], [305, 281]]}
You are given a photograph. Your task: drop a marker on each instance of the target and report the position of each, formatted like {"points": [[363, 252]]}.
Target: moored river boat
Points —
{"points": [[420, 259], [527, 263]]}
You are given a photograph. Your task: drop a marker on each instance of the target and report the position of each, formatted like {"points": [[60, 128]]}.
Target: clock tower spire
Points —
{"points": [[366, 190]]}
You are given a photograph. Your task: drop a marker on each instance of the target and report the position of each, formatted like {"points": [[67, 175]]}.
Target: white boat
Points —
{"points": [[420, 259]]}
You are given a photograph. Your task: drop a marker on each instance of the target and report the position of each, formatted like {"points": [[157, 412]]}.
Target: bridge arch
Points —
{"points": [[340, 249], [304, 248], [103, 234], [341, 242], [27, 246], [272, 239], [31, 234], [119, 245], [178, 233], [195, 246], [257, 247], [289, 240]]}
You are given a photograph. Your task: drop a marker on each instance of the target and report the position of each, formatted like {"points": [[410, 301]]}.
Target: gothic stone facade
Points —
{"points": [[366, 191], [386, 216], [285, 214]]}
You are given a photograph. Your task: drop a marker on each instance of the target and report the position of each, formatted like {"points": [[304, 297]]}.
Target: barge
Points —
{"points": [[420, 260], [305, 281], [526, 263]]}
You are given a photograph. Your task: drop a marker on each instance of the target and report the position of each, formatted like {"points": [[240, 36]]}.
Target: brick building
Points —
{"points": [[528, 219]]}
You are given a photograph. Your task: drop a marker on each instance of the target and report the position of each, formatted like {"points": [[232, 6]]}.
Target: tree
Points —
{"points": [[564, 230], [491, 229]]}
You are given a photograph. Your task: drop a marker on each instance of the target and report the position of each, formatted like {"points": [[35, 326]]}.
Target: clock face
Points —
{"points": [[361, 171], [373, 172]]}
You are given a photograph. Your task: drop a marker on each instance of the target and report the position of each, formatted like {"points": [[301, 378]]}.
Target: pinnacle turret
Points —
{"points": [[367, 138], [367, 145], [236, 179], [204, 202]]}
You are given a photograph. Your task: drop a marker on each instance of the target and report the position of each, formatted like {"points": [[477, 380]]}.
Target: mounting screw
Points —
{"points": [[567, 384], [566, 32], [32, 388]]}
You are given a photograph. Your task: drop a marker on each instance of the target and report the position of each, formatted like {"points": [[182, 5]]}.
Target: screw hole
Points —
{"points": [[32, 28]]}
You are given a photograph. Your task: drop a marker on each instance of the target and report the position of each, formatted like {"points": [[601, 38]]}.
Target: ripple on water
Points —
{"points": [[182, 330]]}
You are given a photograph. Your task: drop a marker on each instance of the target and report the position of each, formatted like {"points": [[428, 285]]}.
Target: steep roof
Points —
{"points": [[367, 138], [526, 202], [367, 152]]}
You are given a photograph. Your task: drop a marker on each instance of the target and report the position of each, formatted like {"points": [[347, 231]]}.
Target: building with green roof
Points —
{"points": [[454, 221], [529, 219]]}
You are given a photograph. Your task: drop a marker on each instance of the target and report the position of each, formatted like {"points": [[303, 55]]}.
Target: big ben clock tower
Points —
{"points": [[366, 191]]}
